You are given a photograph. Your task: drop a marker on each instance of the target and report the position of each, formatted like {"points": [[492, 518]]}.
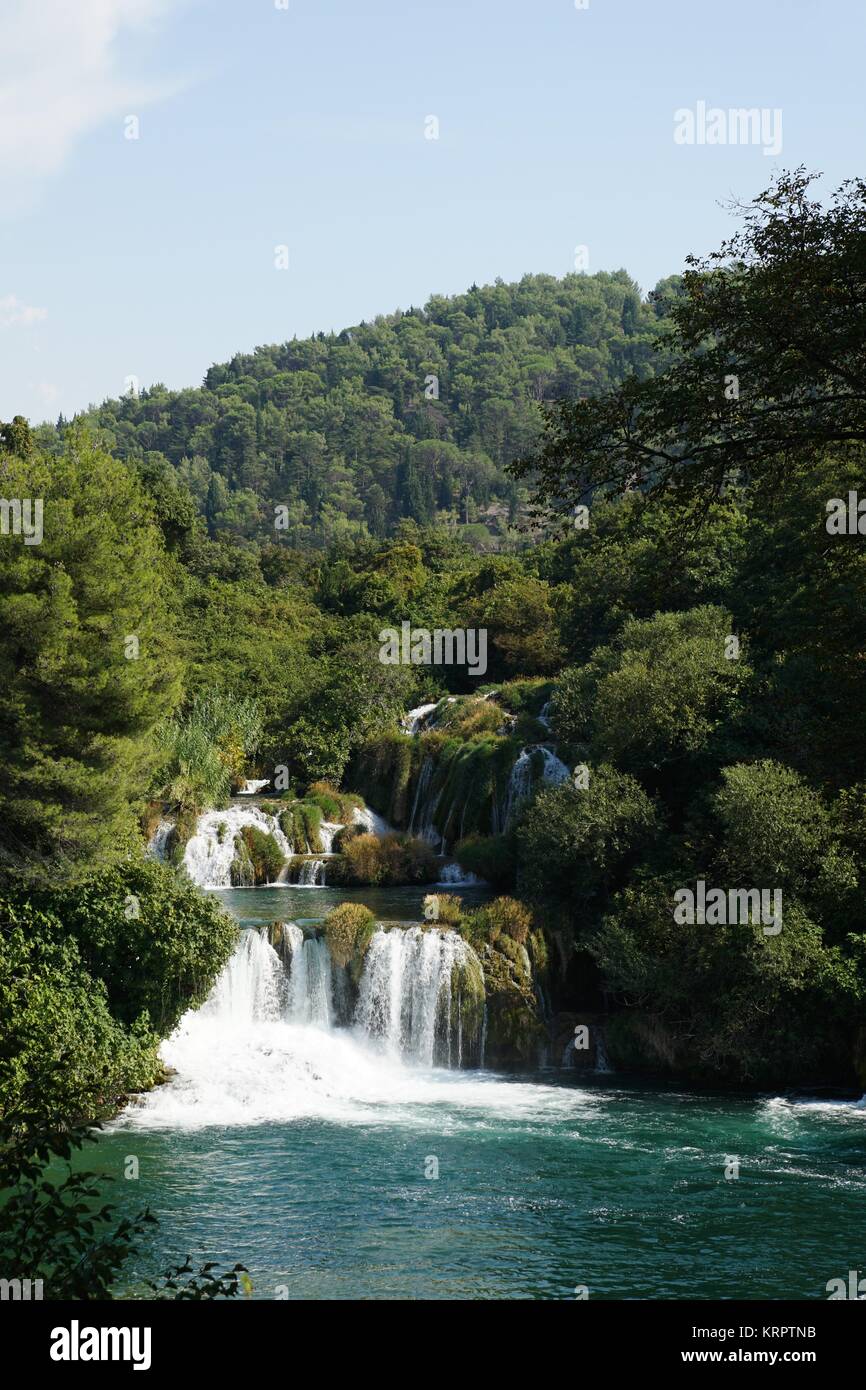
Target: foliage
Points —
{"points": [[206, 749], [88, 661], [491, 857], [347, 930], [386, 860]]}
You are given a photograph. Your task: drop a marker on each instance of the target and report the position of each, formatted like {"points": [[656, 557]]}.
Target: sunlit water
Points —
{"points": [[334, 1170]]}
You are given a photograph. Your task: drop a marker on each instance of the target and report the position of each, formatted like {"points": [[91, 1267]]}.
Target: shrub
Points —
{"points": [[449, 909], [393, 859], [491, 857], [156, 941], [262, 854], [334, 804], [504, 918], [347, 930], [205, 749], [509, 917]]}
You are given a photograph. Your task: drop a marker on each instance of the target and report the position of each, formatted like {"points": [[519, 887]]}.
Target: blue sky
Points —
{"points": [[305, 127]]}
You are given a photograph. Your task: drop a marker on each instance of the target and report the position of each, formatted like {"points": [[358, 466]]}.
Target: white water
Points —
{"points": [[521, 781], [312, 874], [156, 848], [373, 823], [424, 807], [251, 788], [251, 989], [452, 874], [405, 994], [414, 719], [210, 851], [311, 983], [264, 1048]]}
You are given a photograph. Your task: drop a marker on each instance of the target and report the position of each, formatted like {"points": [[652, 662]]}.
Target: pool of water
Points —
{"points": [[333, 1170]]}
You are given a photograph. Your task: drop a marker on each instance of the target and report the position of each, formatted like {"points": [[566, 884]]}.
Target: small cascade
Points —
{"points": [[327, 831], [252, 788], [424, 807], [210, 851], [373, 823], [158, 845], [312, 874], [311, 986], [415, 719], [523, 777], [602, 1061], [420, 995], [251, 988], [452, 875], [519, 784]]}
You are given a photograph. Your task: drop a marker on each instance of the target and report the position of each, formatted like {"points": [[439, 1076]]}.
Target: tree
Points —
{"points": [[769, 344], [87, 662], [575, 844]]}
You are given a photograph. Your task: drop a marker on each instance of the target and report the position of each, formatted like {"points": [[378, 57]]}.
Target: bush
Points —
{"points": [[508, 916], [154, 940], [61, 1043], [347, 930], [335, 805], [491, 857], [504, 917], [574, 845], [447, 907], [391, 860], [205, 750], [260, 854]]}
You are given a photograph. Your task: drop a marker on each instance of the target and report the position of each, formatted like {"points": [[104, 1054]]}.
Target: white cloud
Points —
{"points": [[67, 68], [15, 314]]}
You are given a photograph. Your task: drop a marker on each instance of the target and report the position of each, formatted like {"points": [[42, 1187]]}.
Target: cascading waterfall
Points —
{"points": [[312, 874], [251, 989], [520, 783], [407, 999], [310, 996], [158, 845], [452, 875], [415, 719], [424, 807], [210, 851]]}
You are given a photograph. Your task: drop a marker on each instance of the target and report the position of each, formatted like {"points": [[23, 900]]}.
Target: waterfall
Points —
{"points": [[210, 851], [602, 1061], [407, 997], [251, 988], [424, 807], [254, 787], [452, 874], [158, 843], [311, 986], [413, 721], [520, 783], [312, 874], [373, 823]]}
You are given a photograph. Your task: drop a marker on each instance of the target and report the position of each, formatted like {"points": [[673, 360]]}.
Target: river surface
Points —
{"points": [[335, 1170]]}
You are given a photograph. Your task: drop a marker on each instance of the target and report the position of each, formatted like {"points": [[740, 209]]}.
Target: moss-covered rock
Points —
{"points": [[258, 858], [514, 1028]]}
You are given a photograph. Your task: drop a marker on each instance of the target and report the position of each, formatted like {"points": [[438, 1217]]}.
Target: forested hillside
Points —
{"points": [[417, 414]]}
